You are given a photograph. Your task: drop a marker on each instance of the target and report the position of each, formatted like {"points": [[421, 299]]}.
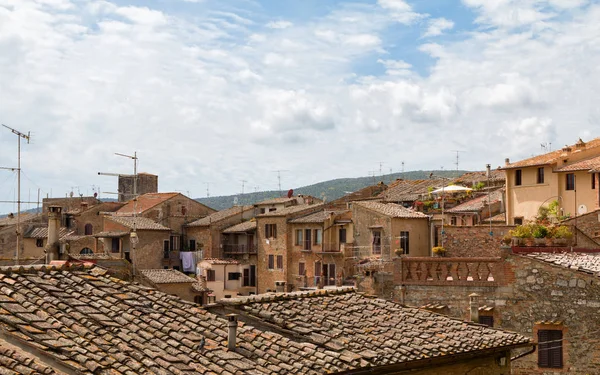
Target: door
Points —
{"points": [[329, 274], [341, 237]]}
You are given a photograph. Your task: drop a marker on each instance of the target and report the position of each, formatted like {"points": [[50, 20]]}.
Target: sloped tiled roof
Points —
{"points": [[549, 157], [391, 210], [217, 261], [220, 215], [42, 232], [111, 234], [477, 203], [246, 226], [383, 332], [591, 164], [276, 201], [471, 178], [140, 223], [166, 276], [411, 190], [585, 262], [500, 218], [96, 324], [25, 217], [292, 210], [145, 202], [317, 217], [14, 360]]}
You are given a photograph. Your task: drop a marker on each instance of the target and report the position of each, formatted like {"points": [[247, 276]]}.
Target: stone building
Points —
{"points": [[205, 234], [568, 175], [476, 210], [321, 244], [176, 283], [146, 183], [384, 230], [274, 243], [554, 298]]}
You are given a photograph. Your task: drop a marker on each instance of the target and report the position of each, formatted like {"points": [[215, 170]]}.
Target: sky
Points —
{"points": [[219, 95]]}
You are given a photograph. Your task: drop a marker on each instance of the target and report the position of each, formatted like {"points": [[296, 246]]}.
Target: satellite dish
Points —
{"points": [[95, 195], [290, 193], [582, 209]]}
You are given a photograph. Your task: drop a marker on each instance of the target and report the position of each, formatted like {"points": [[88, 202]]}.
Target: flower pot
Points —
{"points": [[539, 241], [529, 242]]}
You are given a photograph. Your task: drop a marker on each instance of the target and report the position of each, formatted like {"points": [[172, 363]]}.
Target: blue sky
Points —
{"points": [[223, 91]]}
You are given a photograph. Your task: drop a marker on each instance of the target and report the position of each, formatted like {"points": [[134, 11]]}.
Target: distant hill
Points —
{"points": [[328, 190]]}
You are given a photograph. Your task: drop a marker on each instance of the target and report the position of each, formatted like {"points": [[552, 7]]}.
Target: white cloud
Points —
{"points": [[437, 27], [279, 24], [97, 78]]}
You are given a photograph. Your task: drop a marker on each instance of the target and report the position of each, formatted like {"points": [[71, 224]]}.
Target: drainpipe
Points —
{"points": [[232, 331]]}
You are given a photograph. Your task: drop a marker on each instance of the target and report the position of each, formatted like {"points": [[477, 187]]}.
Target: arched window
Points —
{"points": [[86, 251], [88, 229]]}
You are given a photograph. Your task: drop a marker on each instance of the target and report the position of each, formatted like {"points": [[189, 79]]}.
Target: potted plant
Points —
{"points": [[539, 233], [562, 235], [438, 251], [522, 235], [399, 252], [506, 240]]}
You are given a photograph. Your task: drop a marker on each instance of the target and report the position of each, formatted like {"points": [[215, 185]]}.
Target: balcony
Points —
{"points": [[334, 248], [239, 249]]}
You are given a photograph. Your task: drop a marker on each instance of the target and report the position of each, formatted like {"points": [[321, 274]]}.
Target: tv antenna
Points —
{"points": [[26, 137], [207, 188], [279, 178], [457, 157]]}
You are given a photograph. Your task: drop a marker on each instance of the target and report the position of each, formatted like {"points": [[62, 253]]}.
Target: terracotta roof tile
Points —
{"points": [[411, 190], [589, 263], [292, 210], [145, 202], [25, 217], [391, 210], [42, 232], [81, 317], [220, 215], [382, 332], [550, 157], [166, 276], [477, 203], [14, 360], [471, 178], [317, 217], [140, 223], [246, 226], [591, 164]]}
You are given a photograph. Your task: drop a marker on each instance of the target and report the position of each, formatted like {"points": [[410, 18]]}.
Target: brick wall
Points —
{"points": [[473, 241], [532, 291], [589, 225], [276, 246]]}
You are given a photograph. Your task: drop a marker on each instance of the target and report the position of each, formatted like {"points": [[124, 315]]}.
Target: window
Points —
{"points": [[166, 249], [271, 230], [329, 274], [233, 276], [279, 262], [453, 220], [376, 245], [116, 246], [88, 229], [192, 245], [540, 175], [86, 251], [272, 209], [570, 180], [174, 242], [176, 268], [318, 237], [404, 242], [593, 175], [299, 237], [550, 352], [342, 235], [307, 241], [518, 221], [210, 275], [39, 242], [487, 320], [271, 262], [318, 270], [518, 177], [262, 211], [301, 268], [249, 278]]}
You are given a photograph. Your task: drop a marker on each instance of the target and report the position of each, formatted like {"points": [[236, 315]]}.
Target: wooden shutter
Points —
{"points": [[271, 262], [246, 280], [252, 275], [279, 262], [555, 353]]}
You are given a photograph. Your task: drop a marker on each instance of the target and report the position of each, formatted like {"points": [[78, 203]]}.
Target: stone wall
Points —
{"points": [[532, 292], [473, 241]]}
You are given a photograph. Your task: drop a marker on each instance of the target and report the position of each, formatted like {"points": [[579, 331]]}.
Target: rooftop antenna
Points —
{"points": [[381, 163], [402, 169], [207, 189], [27, 137], [457, 158], [243, 183], [279, 178]]}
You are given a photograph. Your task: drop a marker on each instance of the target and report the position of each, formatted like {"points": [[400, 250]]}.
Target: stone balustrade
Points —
{"points": [[481, 271]]}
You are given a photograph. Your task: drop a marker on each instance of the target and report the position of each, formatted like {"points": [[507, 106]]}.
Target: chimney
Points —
{"points": [[506, 161], [54, 213], [84, 205], [474, 307], [488, 171], [232, 330], [280, 286]]}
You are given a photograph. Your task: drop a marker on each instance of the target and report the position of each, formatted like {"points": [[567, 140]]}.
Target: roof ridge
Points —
{"points": [[46, 268], [272, 297]]}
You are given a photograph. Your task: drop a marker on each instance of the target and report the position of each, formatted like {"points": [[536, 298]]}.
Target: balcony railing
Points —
{"points": [[450, 271], [239, 249]]}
